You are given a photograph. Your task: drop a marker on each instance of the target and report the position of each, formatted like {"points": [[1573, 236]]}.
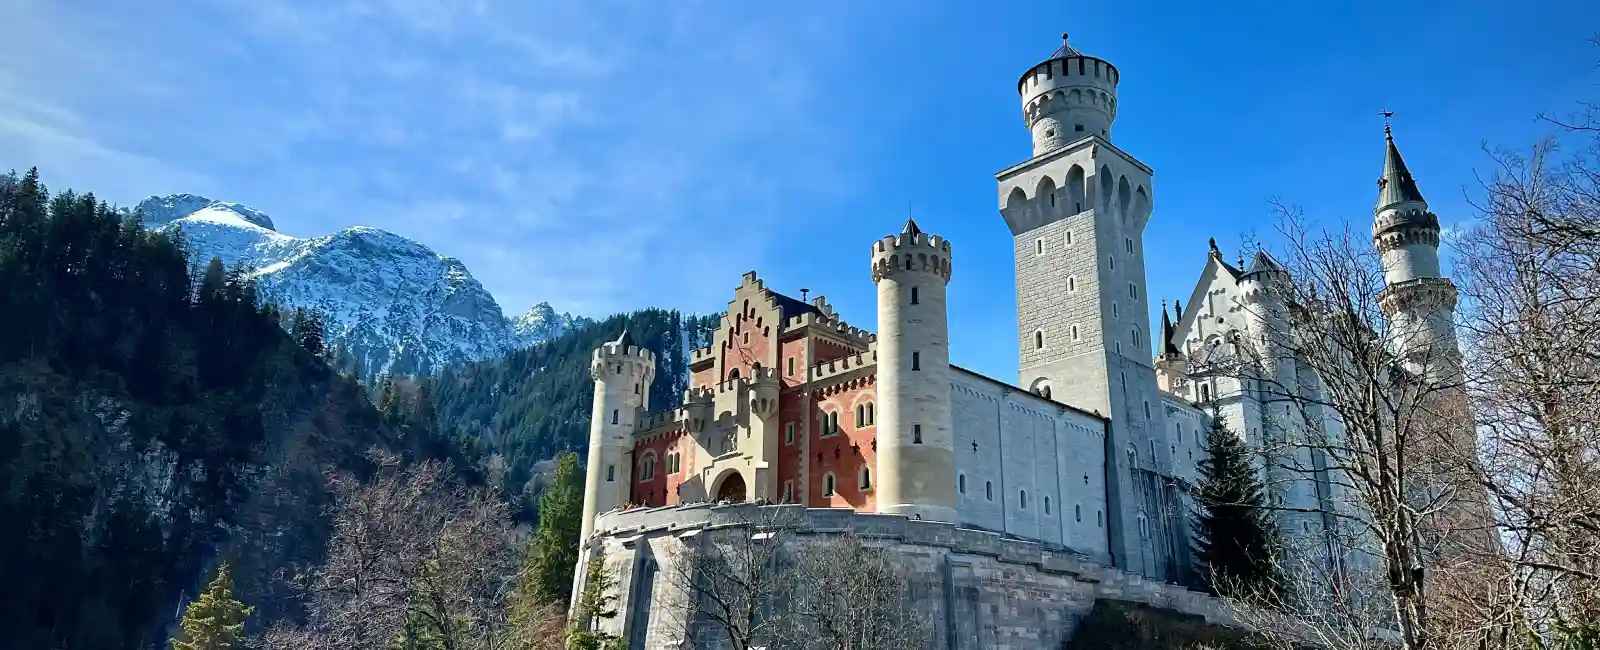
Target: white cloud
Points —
{"points": [[597, 155]]}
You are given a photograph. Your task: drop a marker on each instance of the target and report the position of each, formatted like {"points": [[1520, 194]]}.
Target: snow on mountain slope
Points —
{"points": [[391, 303]]}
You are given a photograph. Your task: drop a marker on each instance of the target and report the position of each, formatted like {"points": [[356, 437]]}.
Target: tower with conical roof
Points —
{"points": [[916, 441], [1417, 298], [1077, 210]]}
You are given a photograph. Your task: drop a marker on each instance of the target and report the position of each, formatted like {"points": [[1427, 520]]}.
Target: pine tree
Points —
{"points": [[597, 602], [552, 555], [1234, 540], [214, 621]]}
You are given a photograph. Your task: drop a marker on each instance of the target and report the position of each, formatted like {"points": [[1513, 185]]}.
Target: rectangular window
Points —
{"points": [[788, 491], [1078, 128], [916, 361], [614, 415], [611, 473], [788, 433], [1038, 247], [1127, 242], [913, 295], [1069, 237], [791, 366], [1113, 262], [916, 434]]}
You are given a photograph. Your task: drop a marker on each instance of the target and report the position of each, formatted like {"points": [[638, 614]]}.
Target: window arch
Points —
{"points": [[647, 466], [1137, 337], [865, 478], [1133, 457], [988, 490], [829, 483], [1038, 339], [1022, 499]]}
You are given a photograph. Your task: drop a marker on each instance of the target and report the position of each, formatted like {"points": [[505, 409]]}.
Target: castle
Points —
{"points": [[1092, 446]]}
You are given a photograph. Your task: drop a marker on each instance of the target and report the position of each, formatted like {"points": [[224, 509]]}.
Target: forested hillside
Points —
{"points": [[526, 407], [152, 425]]}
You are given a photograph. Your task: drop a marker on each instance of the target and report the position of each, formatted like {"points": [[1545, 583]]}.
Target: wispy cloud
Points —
{"points": [[595, 154]]}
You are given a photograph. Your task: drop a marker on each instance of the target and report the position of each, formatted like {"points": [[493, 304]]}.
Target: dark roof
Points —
{"points": [[911, 228], [791, 307], [1396, 185], [1168, 332], [1263, 263], [625, 340]]}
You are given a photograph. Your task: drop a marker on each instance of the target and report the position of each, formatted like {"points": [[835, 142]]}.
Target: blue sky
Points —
{"points": [[613, 155]]}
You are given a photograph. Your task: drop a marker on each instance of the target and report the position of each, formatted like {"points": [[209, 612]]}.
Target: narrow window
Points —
{"points": [[1147, 410], [1136, 338], [1153, 452], [916, 361], [916, 434], [1038, 340], [908, 262], [1038, 246], [615, 414], [827, 484], [988, 490], [961, 483], [1077, 512], [1047, 505], [1205, 393], [866, 478], [636, 388], [1052, 194], [788, 491], [791, 366], [913, 295], [1113, 262], [788, 433], [611, 473], [1074, 332], [1069, 237], [1072, 283], [1099, 519], [872, 415], [861, 415], [1127, 242], [1119, 347], [1115, 311], [1022, 499]]}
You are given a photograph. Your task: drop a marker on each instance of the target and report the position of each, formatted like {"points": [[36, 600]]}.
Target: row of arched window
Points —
{"points": [[830, 484]]}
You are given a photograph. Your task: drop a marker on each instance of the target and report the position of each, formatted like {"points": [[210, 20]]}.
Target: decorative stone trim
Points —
{"points": [[1421, 293]]}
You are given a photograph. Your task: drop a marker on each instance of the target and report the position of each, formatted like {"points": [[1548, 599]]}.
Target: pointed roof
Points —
{"points": [[1396, 185], [911, 228], [1066, 50], [623, 341], [1167, 332], [1263, 263]]}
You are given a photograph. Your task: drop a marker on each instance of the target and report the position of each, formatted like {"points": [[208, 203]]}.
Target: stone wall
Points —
{"points": [[981, 590]]}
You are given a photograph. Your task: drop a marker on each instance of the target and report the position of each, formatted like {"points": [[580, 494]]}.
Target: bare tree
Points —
{"points": [[766, 583], [413, 553]]}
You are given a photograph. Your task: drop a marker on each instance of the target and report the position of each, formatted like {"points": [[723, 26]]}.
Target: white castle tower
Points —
{"points": [[1077, 211], [1419, 301], [916, 448], [622, 374]]}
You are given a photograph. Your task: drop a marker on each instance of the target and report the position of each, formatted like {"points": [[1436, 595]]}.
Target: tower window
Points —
{"points": [[1068, 236], [1133, 291], [1038, 340], [988, 490], [1072, 284], [1136, 338], [1077, 512], [828, 484], [1074, 332], [1127, 242], [1119, 347], [1147, 412], [961, 483], [1099, 519], [1052, 199], [1205, 393], [1047, 505], [611, 473], [1114, 311], [866, 478], [916, 361], [914, 295], [916, 434], [788, 433], [1038, 247], [1078, 128], [615, 415], [1049, 133], [788, 491], [635, 388], [1113, 262], [1022, 499]]}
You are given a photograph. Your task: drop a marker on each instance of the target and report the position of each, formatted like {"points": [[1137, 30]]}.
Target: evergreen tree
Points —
{"points": [[214, 621], [552, 556], [596, 603], [1234, 540]]}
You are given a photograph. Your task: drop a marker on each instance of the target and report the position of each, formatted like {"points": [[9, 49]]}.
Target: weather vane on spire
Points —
{"points": [[1387, 114]]}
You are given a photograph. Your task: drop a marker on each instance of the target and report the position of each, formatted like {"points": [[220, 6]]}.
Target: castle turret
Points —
{"points": [[916, 452], [1170, 364], [622, 374], [1069, 96], [1419, 301]]}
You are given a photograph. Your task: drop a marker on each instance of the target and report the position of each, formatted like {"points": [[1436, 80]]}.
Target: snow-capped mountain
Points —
{"points": [[391, 303]]}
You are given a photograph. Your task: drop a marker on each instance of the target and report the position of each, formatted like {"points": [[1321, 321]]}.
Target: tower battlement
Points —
{"points": [[621, 359], [911, 251], [1068, 97]]}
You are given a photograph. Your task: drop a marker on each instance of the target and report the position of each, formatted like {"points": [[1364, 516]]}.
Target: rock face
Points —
{"points": [[390, 303]]}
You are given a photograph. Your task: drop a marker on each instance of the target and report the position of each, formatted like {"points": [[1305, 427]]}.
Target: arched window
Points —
{"points": [[1038, 340], [1022, 499], [611, 473], [1047, 505], [1077, 512], [1205, 393], [1044, 391], [908, 262], [828, 484], [1133, 457], [872, 415], [988, 490], [861, 415], [647, 468], [1137, 338], [866, 478], [1072, 284], [1074, 332], [961, 483]]}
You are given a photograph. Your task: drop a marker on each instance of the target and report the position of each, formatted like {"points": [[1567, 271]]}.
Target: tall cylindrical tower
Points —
{"points": [[622, 374], [916, 448], [1068, 97], [1419, 301]]}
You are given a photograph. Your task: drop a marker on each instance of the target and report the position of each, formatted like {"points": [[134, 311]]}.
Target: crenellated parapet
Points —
{"points": [[828, 370], [1395, 236], [614, 359], [911, 252]]}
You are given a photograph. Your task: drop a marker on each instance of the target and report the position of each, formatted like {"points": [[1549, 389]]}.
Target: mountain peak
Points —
{"points": [[542, 323], [160, 210]]}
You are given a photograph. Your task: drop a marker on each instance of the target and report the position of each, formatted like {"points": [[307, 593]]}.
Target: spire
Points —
{"points": [[1167, 333], [623, 341], [1396, 185], [1066, 50], [911, 229]]}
